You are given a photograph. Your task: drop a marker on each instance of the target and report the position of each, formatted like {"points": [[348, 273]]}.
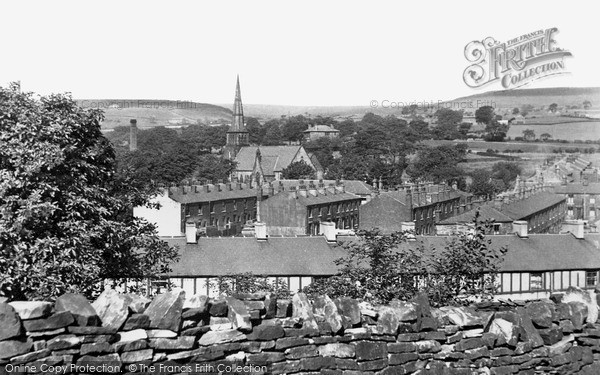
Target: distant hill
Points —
{"points": [[563, 96], [150, 113], [276, 111]]}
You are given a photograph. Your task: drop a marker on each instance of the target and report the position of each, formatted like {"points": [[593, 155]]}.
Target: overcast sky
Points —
{"points": [[294, 53]]}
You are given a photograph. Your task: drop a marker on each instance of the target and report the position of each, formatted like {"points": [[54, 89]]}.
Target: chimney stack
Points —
{"points": [[328, 230], [520, 228], [133, 134], [575, 227], [409, 227], [260, 231], [190, 232]]}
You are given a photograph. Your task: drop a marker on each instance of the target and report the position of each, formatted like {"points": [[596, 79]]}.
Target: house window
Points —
{"points": [[310, 212], [591, 278], [570, 199], [496, 228], [592, 200], [235, 205], [536, 281], [570, 212], [212, 207], [187, 210]]}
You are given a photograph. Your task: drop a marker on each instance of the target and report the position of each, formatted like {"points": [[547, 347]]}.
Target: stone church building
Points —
{"points": [[265, 161]]}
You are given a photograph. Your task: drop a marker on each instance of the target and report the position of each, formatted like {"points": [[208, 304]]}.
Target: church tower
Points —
{"points": [[237, 136]]}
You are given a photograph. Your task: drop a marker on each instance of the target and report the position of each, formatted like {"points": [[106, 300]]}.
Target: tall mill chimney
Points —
{"points": [[132, 134]]}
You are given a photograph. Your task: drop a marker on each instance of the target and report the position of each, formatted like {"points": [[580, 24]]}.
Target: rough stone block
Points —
{"points": [[79, 307], [31, 309], [219, 337], [238, 314], [13, 348], [266, 332], [541, 313], [138, 303], [137, 356], [461, 316], [367, 351], [54, 321], [136, 321], [63, 342], [165, 310], [10, 324], [112, 308], [179, 343]]}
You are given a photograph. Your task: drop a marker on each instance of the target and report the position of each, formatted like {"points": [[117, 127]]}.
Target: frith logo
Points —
{"points": [[515, 63]]}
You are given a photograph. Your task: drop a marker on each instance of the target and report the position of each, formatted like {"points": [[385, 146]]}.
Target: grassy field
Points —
{"points": [[540, 147]]}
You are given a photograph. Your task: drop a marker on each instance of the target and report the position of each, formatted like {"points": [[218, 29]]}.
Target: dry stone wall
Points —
{"points": [[261, 334]]}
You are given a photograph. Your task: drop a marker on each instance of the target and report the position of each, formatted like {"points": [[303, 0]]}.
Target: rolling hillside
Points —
{"points": [[150, 113], [563, 96]]}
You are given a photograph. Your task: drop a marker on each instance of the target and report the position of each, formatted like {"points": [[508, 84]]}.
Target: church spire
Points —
{"points": [[238, 110], [237, 136]]}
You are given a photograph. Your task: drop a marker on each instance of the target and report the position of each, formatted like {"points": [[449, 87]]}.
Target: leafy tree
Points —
{"points": [[201, 139], [346, 128], [515, 111], [255, 133], [545, 137], [553, 107], [379, 268], [464, 128], [249, 283], [526, 109], [446, 116], [467, 267], [410, 110], [587, 104], [374, 270], [495, 131], [293, 128], [65, 216], [213, 168], [528, 134], [506, 171], [437, 164], [272, 133], [323, 149], [420, 129], [298, 170], [484, 184], [485, 114]]}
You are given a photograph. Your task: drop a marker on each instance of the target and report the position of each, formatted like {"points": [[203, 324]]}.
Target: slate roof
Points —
{"points": [[274, 158], [277, 256], [351, 186], [386, 212], [486, 212], [311, 200], [523, 208], [213, 194], [592, 188], [538, 252], [314, 256], [321, 128]]}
